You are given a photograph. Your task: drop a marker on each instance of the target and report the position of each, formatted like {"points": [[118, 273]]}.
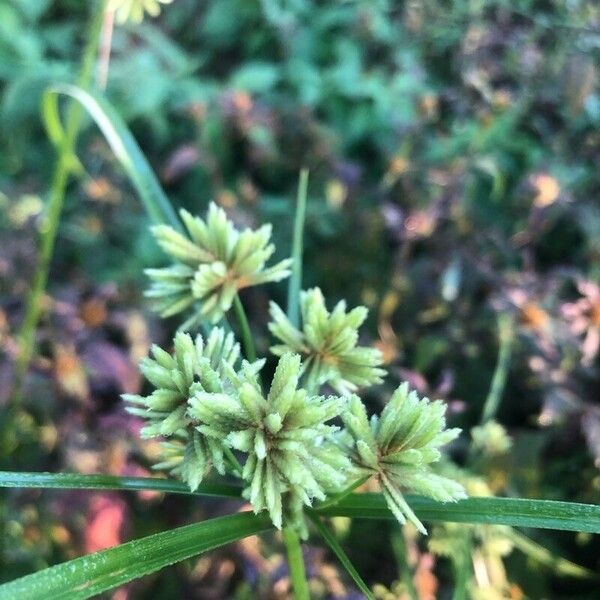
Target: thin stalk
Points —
{"points": [[506, 338], [295, 282], [338, 497], [545, 557], [245, 332], [106, 42], [401, 555], [296, 564], [462, 569], [60, 180]]}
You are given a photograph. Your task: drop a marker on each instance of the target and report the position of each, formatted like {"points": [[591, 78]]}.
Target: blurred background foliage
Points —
{"points": [[454, 149]]}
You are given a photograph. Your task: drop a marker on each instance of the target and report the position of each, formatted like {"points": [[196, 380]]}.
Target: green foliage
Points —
{"points": [[327, 343], [212, 263], [399, 447], [452, 152]]}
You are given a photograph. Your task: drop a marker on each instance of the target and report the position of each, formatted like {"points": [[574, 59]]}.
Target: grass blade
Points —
{"points": [[295, 282], [122, 143], [337, 549], [74, 481], [95, 573], [517, 512]]}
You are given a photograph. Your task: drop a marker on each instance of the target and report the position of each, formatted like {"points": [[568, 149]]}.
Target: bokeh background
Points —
{"points": [[454, 156]]}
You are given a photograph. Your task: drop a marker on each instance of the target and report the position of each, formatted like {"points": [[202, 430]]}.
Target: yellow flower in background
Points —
{"points": [[133, 10]]}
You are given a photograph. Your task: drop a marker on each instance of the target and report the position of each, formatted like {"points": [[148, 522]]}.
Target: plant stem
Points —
{"points": [[462, 570], [295, 283], [296, 564], [338, 497], [246, 334], [60, 179], [400, 552], [506, 338], [344, 559], [105, 46]]}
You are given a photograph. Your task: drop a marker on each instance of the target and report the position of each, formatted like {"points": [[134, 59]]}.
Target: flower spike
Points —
{"points": [[398, 448], [211, 264], [195, 365], [291, 459], [133, 10], [328, 344]]}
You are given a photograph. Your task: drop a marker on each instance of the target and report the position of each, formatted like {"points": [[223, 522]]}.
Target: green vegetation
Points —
{"points": [[452, 204]]}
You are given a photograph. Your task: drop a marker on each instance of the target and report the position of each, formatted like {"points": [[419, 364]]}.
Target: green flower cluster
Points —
{"points": [[211, 264], [133, 10], [195, 366], [285, 435], [399, 446], [328, 344], [208, 404]]}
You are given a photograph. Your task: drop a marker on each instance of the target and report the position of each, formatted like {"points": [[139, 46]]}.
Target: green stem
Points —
{"points": [[506, 338], [56, 198], [296, 564], [338, 497], [344, 559], [295, 282], [546, 557], [462, 569], [245, 332], [401, 555]]}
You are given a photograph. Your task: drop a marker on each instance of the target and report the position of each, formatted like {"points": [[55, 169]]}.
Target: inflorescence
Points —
{"points": [[209, 408]]}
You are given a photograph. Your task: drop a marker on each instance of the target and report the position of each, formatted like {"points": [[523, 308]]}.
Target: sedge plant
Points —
{"points": [[297, 446]]}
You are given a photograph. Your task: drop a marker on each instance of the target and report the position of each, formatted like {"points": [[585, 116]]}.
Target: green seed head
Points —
{"points": [[212, 262], [328, 344], [399, 447]]}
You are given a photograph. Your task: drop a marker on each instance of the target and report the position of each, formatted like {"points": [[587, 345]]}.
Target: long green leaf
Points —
{"points": [[70, 481], [95, 573], [517, 512], [120, 140], [341, 555]]}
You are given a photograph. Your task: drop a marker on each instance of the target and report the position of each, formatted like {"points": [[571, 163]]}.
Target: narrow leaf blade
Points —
{"points": [[337, 549], [71, 481], [516, 512], [95, 573], [122, 143]]}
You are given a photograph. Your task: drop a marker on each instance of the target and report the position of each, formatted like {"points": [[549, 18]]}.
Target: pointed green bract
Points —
{"points": [[291, 457], [398, 448], [212, 262], [195, 366], [328, 344]]}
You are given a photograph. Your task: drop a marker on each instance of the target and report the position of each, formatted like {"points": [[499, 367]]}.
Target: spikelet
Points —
{"points": [[398, 448], [328, 344], [291, 458], [211, 264], [196, 365]]}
